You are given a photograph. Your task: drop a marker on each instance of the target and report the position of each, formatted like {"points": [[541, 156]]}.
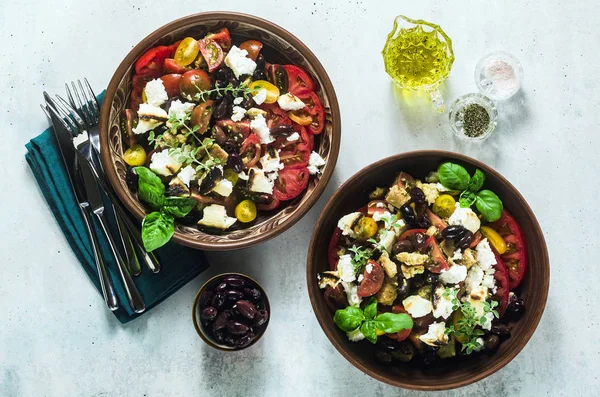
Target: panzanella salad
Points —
{"points": [[216, 133], [427, 270]]}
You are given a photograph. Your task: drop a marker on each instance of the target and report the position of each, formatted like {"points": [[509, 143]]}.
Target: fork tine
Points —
{"points": [[79, 106], [45, 110], [64, 105], [87, 105], [95, 105], [51, 108]]}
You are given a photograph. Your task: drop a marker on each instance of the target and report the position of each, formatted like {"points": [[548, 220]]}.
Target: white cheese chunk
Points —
{"points": [[352, 293], [223, 188], [474, 278], [260, 183], [215, 216], [465, 217], [180, 109], [377, 216], [355, 335], [315, 162], [237, 60], [164, 164], [386, 239], [417, 306], [156, 94], [238, 100], [435, 335], [485, 255], [271, 164], [150, 117], [294, 137], [290, 101], [238, 113], [454, 275], [187, 174], [346, 223], [346, 269], [260, 128], [260, 96]]}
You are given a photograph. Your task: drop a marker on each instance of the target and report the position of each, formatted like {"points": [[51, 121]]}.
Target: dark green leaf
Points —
{"points": [[393, 322], [178, 207], [371, 309], [489, 205], [348, 319], [157, 229], [453, 176], [467, 198], [150, 188], [369, 330], [476, 182]]}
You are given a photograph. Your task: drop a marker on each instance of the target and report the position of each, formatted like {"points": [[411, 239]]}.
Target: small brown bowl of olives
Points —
{"points": [[231, 312]]}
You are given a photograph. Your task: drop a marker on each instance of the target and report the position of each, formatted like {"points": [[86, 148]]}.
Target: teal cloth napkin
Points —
{"points": [[179, 264]]}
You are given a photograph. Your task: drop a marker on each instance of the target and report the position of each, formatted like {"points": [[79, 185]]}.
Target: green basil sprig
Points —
{"points": [[456, 177], [158, 226], [352, 318]]}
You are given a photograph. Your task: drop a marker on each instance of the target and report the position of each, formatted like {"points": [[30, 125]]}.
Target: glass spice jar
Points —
{"points": [[473, 117]]}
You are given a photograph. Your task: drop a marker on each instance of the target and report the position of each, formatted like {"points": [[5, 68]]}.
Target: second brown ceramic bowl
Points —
{"points": [[280, 46], [534, 288]]}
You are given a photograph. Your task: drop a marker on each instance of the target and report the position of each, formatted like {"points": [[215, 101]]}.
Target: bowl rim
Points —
{"points": [[311, 58], [196, 321], [399, 382]]}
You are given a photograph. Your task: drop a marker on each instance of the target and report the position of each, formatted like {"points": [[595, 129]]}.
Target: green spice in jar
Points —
{"points": [[476, 120]]}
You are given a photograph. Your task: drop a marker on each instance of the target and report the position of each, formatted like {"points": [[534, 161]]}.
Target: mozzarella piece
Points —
{"points": [[150, 117], [260, 96], [454, 275], [465, 217], [259, 126], [237, 60], [355, 335], [485, 255], [238, 113], [238, 100], [315, 162], [417, 306], [223, 188], [474, 278], [290, 101], [271, 164], [435, 335], [164, 164], [187, 174], [215, 216], [347, 222], [156, 94], [260, 183], [180, 109], [294, 137], [346, 269], [352, 293]]}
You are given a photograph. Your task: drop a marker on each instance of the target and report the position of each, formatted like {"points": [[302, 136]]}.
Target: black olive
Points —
{"points": [[132, 179], [516, 308], [281, 130], [210, 180], [421, 324], [403, 289], [423, 222], [408, 214], [491, 342], [233, 81], [248, 102], [402, 246], [260, 62], [432, 278], [465, 240], [223, 74], [430, 357], [417, 195], [418, 281], [383, 357], [190, 219], [235, 162], [221, 108], [501, 330], [387, 344], [259, 74], [453, 232], [418, 240]]}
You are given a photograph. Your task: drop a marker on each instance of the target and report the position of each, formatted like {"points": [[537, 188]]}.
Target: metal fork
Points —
{"points": [[81, 141], [82, 98]]}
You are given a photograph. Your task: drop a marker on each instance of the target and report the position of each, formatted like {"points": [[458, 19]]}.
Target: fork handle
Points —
{"points": [[133, 295], [108, 291], [148, 258]]}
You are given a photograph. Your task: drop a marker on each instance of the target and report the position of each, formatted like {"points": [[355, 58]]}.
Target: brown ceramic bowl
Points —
{"points": [[280, 47], [204, 333], [534, 289]]}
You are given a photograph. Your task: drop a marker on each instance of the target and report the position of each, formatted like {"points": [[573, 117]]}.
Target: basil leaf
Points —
{"points": [[453, 176], [369, 330], [489, 205], [467, 198], [476, 182], [371, 309], [393, 322], [348, 319], [150, 188], [177, 207], [157, 229]]}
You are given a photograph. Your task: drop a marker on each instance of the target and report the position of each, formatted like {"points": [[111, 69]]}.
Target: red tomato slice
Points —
{"points": [[291, 182], [298, 80], [376, 207], [313, 108], [403, 179], [403, 334], [410, 232], [138, 82], [170, 66], [221, 37], [439, 262], [436, 220], [270, 206], [501, 277], [171, 83], [212, 53], [297, 152], [235, 127], [515, 256], [476, 239], [250, 151], [332, 251], [372, 281], [152, 59], [275, 115]]}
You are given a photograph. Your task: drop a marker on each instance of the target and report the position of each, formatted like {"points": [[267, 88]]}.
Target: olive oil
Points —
{"points": [[416, 58]]}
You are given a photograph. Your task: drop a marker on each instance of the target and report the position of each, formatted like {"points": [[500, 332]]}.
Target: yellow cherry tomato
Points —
{"points": [[444, 205], [272, 90], [366, 228], [187, 51], [135, 156], [494, 238], [300, 117], [245, 211], [231, 176]]}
